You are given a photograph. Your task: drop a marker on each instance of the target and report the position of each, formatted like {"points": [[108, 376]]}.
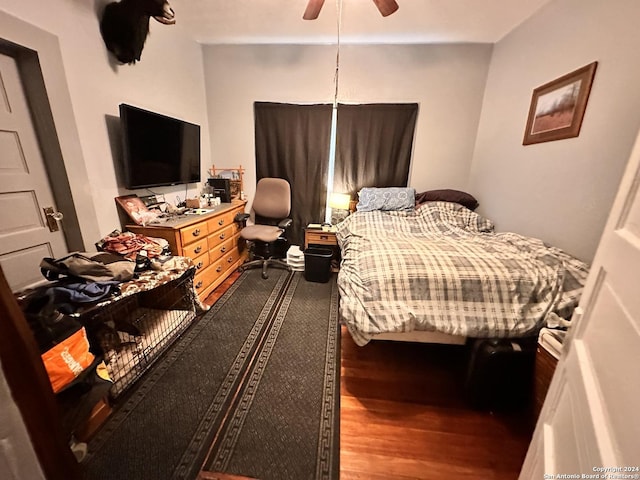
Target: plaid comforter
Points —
{"points": [[442, 268]]}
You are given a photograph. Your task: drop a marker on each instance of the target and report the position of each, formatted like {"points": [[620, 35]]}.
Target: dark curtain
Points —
{"points": [[292, 142], [374, 145]]}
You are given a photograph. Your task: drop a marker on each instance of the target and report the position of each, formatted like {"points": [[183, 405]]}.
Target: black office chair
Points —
{"points": [[271, 208]]}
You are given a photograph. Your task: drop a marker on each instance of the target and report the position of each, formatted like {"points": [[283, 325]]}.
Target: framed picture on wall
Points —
{"points": [[557, 108]]}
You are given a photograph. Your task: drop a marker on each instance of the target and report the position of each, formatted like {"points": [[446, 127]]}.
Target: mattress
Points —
{"points": [[443, 268]]}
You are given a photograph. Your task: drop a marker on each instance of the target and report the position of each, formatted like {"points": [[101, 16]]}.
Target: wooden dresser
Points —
{"points": [[212, 240]]}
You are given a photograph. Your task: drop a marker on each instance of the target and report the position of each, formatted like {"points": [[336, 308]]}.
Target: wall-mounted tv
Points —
{"points": [[158, 150]]}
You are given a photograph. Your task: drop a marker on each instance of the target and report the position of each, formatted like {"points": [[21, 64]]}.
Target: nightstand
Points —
{"points": [[316, 237]]}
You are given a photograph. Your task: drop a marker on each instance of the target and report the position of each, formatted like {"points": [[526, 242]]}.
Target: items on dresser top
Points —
{"points": [[137, 210]]}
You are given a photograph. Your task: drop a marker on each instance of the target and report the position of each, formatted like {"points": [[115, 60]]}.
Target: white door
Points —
{"points": [[25, 236], [589, 424]]}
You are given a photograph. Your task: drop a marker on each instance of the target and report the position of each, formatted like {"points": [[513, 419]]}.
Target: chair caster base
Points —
{"points": [[265, 263]]}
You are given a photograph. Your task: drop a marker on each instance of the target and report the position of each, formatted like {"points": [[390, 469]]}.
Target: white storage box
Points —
{"points": [[295, 258]]}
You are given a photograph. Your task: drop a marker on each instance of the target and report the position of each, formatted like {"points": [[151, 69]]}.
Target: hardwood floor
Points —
{"points": [[221, 289], [403, 415]]}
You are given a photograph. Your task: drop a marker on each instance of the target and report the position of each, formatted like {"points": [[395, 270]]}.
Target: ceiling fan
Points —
{"points": [[386, 8]]}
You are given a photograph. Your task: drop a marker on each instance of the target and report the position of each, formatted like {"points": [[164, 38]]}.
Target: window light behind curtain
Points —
{"points": [[373, 146], [292, 142]]}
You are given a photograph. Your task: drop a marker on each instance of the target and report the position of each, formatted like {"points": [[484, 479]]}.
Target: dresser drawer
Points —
{"points": [[235, 228], [193, 233], [227, 260], [230, 258], [319, 237], [220, 221], [194, 250], [220, 236], [221, 248], [215, 273], [203, 279], [209, 275], [201, 262]]}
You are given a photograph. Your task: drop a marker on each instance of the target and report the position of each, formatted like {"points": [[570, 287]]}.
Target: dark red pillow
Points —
{"points": [[447, 195]]}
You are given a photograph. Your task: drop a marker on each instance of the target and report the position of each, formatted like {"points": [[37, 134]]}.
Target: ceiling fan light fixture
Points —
{"points": [[313, 9], [386, 7]]}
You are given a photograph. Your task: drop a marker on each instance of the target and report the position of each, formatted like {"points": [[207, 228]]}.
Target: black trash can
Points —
{"points": [[317, 264]]}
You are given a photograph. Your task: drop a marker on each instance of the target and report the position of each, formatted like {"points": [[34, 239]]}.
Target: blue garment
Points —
{"points": [[65, 296]]}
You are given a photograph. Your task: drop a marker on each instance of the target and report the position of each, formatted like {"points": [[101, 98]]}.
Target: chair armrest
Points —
{"points": [[241, 218], [286, 223]]}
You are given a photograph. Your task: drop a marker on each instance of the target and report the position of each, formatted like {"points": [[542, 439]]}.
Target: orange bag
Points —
{"points": [[67, 360]]}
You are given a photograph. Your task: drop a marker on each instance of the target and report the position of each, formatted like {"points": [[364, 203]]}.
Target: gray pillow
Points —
{"points": [[388, 198]]}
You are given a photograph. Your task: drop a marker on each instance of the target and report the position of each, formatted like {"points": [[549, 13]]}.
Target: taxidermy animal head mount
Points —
{"points": [[125, 25]]}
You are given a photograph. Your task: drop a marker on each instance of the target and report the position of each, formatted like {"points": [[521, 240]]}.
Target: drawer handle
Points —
{"points": [[223, 236], [230, 260], [221, 222], [219, 269], [199, 266], [199, 284], [198, 249], [196, 232], [223, 249], [324, 237]]}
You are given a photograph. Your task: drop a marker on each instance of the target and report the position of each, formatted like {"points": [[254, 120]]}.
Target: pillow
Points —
{"points": [[447, 195], [390, 198]]}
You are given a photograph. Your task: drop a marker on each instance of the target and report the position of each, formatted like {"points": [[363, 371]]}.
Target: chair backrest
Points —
{"points": [[272, 198]]}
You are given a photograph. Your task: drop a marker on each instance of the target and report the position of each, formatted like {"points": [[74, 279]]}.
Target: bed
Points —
{"points": [[440, 269]]}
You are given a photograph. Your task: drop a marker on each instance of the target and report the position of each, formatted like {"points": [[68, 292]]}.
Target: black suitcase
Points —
{"points": [[500, 373]]}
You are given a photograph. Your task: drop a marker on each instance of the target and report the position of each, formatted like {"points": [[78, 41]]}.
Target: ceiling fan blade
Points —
{"points": [[386, 7], [313, 9]]}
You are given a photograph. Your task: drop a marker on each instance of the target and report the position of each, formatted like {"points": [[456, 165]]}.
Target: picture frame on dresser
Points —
{"points": [[134, 207]]}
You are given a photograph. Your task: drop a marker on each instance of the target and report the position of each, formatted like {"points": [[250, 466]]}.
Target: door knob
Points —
{"points": [[53, 218]]}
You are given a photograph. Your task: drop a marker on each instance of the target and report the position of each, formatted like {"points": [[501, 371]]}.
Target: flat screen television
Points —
{"points": [[158, 150]]}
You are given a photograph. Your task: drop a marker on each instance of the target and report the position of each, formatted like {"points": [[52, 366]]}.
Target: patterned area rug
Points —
{"points": [[251, 389]]}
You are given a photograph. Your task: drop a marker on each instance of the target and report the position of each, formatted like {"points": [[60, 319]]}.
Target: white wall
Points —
{"points": [[560, 191], [446, 80], [169, 79]]}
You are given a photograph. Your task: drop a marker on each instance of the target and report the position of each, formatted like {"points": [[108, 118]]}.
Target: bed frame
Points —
{"points": [[423, 337]]}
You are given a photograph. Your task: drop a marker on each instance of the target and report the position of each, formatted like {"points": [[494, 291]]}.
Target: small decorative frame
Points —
{"points": [[134, 207], [557, 108]]}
